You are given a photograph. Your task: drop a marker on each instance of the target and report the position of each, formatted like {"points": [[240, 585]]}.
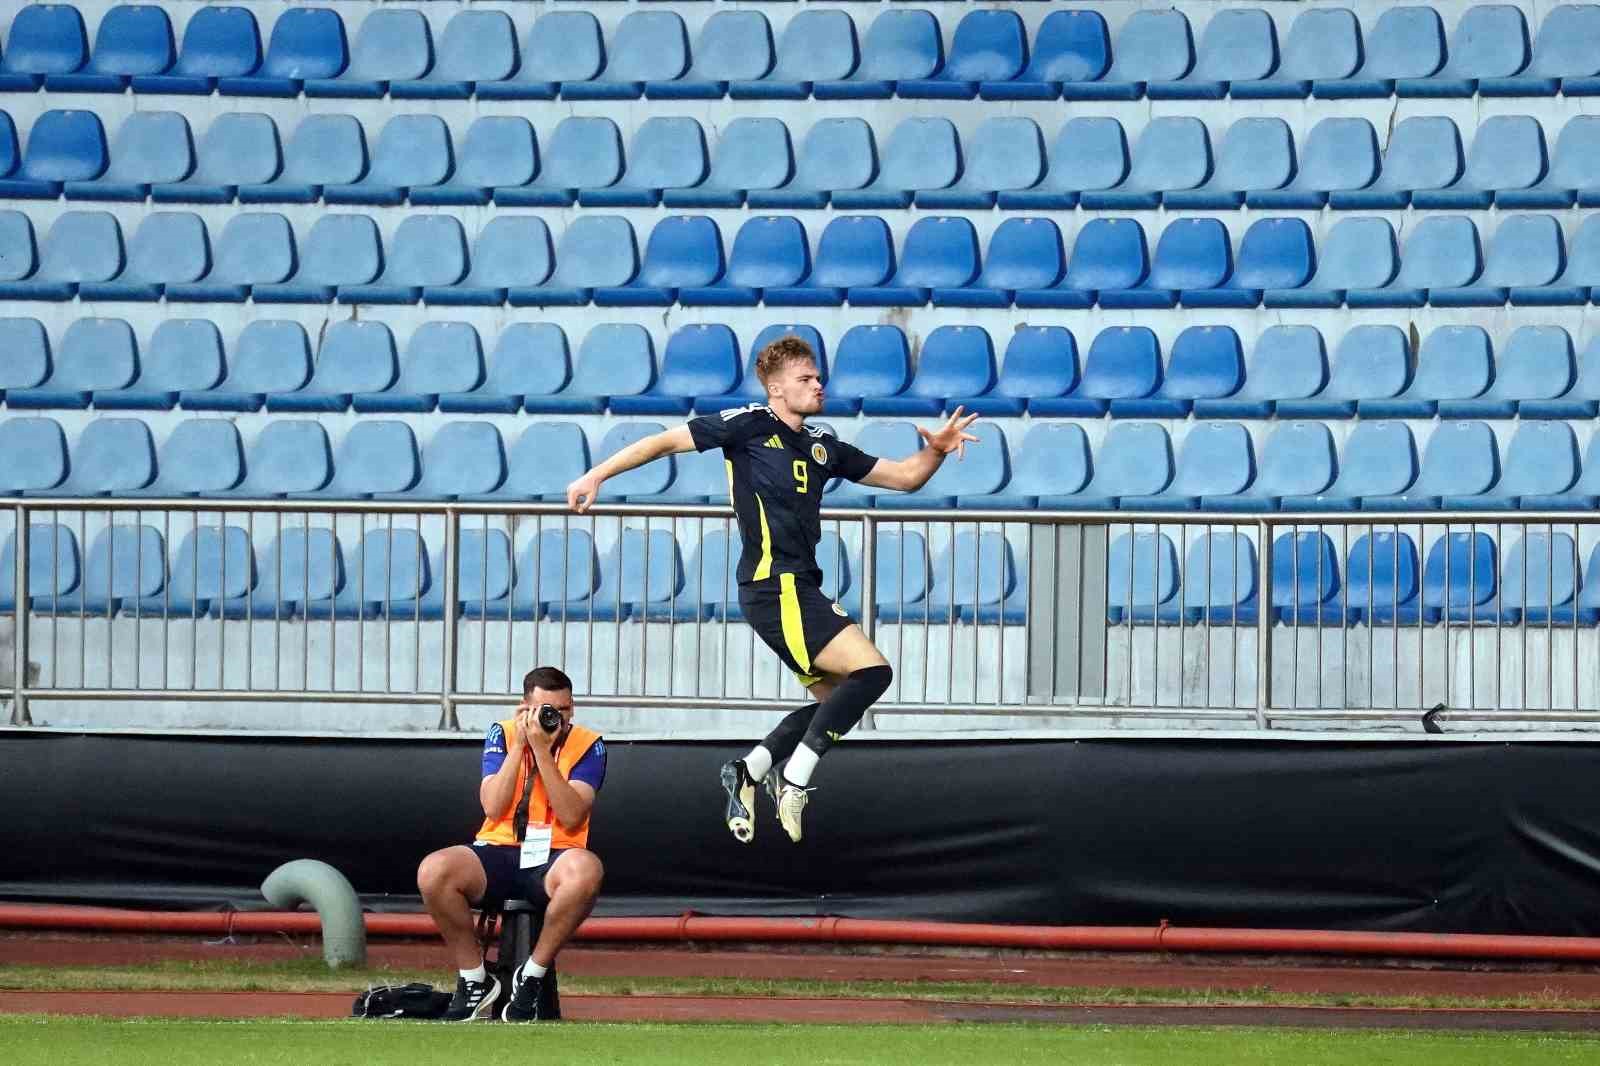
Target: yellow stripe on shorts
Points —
{"points": [[794, 633]]}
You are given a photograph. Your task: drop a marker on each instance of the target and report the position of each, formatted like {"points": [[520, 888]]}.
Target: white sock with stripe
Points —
{"points": [[758, 762]]}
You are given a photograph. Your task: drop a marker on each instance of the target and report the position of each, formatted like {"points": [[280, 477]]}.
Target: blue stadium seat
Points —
{"points": [[1257, 155], [901, 584], [641, 578], [1574, 168], [710, 583], [512, 252], [684, 253], [1381, 580], [871, 361], [323, 150], [666, 153], [1305, 580], [955, 361], [973, 480], [1041, 363], [411, 151], [425, 252], [1206, 363], [1108, 254], [353, 357], [463, 458], [816, 46], [82, 246], [200, 457], [391, 45], [1589, 594], [1123, 363], [237, 149], [255, 248], [97, 354], [556, 574], [53, 570], [767, 252], [701, 477], [1577, 402], [1133, 460], [731, 46], [1442, 252], [498, 151], [1405, 42], [1004, 155], [1276, 254], [1298, 460], [646, 46], [288, 456], [650, 480], [1068, 46], [1288, 363], [1460, 464], [1152, 46], [1460, 579], [18, 255], [1051, 465], [836, 154], [1423, 156], [1141, 579], [1215, 463], [615, 359], [1489, 42], [986, 46], [751, 154], [10, 154], [184, 354], [376, 456], [1219, 583], [169, 248], [700, 360], [299, 566], [1539, 585], [975, 580], [1522, 265], [1379, 459], [1357, 253], [854, 251], [152, 147], [1193, 254], [125, 563], [562, 47], [595, 252], [1563, 57], [36, 451], [541, 464], [899, 46], [1508, 153], [939, 252], [1540, 471], [476, 47], [339, 250], [306, 43], [1536, 365], [62, 146], [1239, 45], [391, 567], [884, 438], [1322, 45], [45, 39], [440, 358], [1338, 155], [132, 39], [1370, 363], [750, 389], [269, 358], [218, 42], [1024, 253], [529, 357], [1454, 364], [1576, 284], [921, 153], [1087, 154], [1173, 153]]}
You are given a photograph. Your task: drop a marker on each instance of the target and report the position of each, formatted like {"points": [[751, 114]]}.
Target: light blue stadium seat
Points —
{"points": [[646, 46], [701, 477], [323, 150], [1152, 46], [1068, 46], [18, 255], [921, 153], [562, 47], [1239, 45], [306, 43], [1381, 580], [1576, 284], [1004, 155], [475, 47], [1378, 459], [767, 252], [1322, 45], [238, 148], [339, 250], [1338, 155], [649, 480], [1441, 252], [53, 567], [112, 456], [254, 248], [169, 248], [595, 252], [955, 361], [1577, 402], [96, 354], [1507, 153], [200, 457], [1219, 583], [1206, 363], [1287, 363], [700, 360], [411, 151], [1024, 254], [1108, 254], [546, 458], [1256, 155], [1276, 254], [184, 354], [640, 577], [299, 566], [986, 46], [939, 252], [151, 147], [1489, 42], [1371, 363], [391, 45], [45, 39], [1455, 364], [899, 46], [1133, 460], [1051, 465], [36, 453], [975, 580], [1215, 463], [854, 251], [1563, 57], [288, 457], [684, 252], [125, 563], [901, 586], [884, 438], [710, 586], [1536, 365], [1298, 460], [731, 46], [1540, 471], [511, 253], [1357, 253], [218, 42], [390, 566], [353, 357], [82, 246], [1423, 156], [836, 154], [556, 574], [1589, 594], [1459, 466], [1172, 153], [750, 389], [425, 252], [1193, 255], [498, 151], [1124, 363], [1522, 265], [463, 458], [666, 153], [131, 39], [1087, 154], [816, 46], [615, 359], [269, 357], [529, 357], [1539, 586], [871, 361], [1405, 42], [752, 153], [971, 480], [1574, 169], [376, 456], [1141, 579], [1041, 363], [10, 153], [1306, 586], [1460, 579], [440, 358], [62, 146]]}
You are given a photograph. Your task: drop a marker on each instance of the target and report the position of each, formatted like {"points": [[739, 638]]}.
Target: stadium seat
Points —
{"points": [[1305, 581], [899, 46], [1562, 60], [1577, 402], [1370, 363], [425, 252], [131, 39], [1535, 365], [498, 151], [816, 46], [269, 357], [700, 360], [731, 46], [1508, 153], [921, 153], [1051, 465], [1489, 42], [254, 248], [1172, 153], [1322, 45], [36, 450], [168, 248], [1087, 154], [1041, 362], [1405, 42], [870, 361], [353, 357], [1460, 578], [391, 567], [307, 43], [62, 146], [767, 252], [440, 358], [1134, 460], [752, 154], [1379, 460], [684, 252], [836, 154], [939, 252], [1152, 46], [323, 150], [18, 255], [376, 456], [1298, 460], [511, 253], [237, 149], [1454, 364], [546, 458], [1540, 471], [529, 358], [1108, 255], [1239, 45], [288, 456], [1206, 362], [475, 47], [1573, 173], [615, 359], [96, 355], [1068, 46], [151, 147], [1338, 155], [82, 246], [556, 575], [1141, 579], [562, 47], [710, 582], [1539, 586], [884, 438], [1124, 363], [1192, 255], [339, 250], [218, 42], [650, 480], [701, 477], [750, 389], [1357, 253], [1256, 155], [954, 361], [1024, 254], [463, 458], [1275, 254], [411, 151], [1215, 462], [986, 46], [391, 45], [640, 577], [45, 39], [1423, 156], [901, 585], [1219, 583], [1442, 252], [646, 46], [53, 567], [972, 480], [1522, 265], [1381, 580], [595, 252], [1460, 464], [184, 354], [300, 565], [125, 563], [1287, 363], [854, 251], [1004, 155], [200, 457], [666, 153], [975, 580]]}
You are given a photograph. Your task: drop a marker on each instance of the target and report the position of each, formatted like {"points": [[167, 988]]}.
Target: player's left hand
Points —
{"points": [[952, 436]]}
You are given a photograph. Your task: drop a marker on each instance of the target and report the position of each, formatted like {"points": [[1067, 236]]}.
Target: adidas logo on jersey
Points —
{"points": [[774, 442]]}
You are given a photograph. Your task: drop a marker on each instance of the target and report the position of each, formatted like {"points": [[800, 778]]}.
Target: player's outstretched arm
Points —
{"points": [[582, 493], [911, 473]]}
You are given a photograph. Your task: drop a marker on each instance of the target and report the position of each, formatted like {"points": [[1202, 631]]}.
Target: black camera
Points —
{"points": [[549, 718]]}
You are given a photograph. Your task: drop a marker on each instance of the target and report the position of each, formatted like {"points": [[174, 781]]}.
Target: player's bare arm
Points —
{"points": [[582, 493], [911, 473]]}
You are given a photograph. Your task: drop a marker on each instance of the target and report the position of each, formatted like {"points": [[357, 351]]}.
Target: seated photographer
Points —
{"points": [[540, 776]]}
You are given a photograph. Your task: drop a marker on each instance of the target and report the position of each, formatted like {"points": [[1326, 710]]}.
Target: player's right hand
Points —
{"points": [[582, 492]]}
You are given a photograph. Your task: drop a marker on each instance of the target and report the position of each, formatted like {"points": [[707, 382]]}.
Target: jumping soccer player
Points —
{"points": [[777, 467]]}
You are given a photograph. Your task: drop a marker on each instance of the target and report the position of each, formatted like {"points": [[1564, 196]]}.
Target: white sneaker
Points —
{"points": [[791, 805], [741, 790]]}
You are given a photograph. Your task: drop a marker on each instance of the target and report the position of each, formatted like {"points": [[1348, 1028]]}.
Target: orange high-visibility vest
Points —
{"points": [[502, 829]]}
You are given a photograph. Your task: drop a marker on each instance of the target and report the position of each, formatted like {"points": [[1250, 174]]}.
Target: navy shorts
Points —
{"points": [[506, 879], [792, 617]]}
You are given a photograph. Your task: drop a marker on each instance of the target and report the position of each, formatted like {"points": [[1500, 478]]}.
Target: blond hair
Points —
{"points": [[780, 353]]}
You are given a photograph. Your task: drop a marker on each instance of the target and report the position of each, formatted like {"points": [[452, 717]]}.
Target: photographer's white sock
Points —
{"points": [[532, 970], [479, 975]]}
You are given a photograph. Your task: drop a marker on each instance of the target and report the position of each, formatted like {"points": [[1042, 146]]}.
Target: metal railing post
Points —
{"points": [[448, 674], [1263, 625], [19, 636], [869, 593]]}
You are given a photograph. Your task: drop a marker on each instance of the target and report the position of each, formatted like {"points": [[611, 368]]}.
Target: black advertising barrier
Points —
{"points": [[1432, 837]]}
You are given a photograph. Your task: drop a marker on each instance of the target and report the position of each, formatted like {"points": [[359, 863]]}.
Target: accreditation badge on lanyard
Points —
{"points": [[536, 845]]}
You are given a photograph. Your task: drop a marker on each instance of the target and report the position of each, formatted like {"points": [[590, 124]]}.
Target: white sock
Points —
{"points": [[479, 975], [531, 970], [797, 771], [758, 762]]}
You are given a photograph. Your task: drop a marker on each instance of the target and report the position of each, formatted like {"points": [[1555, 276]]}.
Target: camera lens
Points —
{"points": [[549, 718]]}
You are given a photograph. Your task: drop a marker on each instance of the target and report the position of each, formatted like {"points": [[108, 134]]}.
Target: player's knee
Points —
{"points": [[874, 680]]}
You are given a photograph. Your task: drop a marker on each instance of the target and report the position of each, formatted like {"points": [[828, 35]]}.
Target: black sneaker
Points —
{"points": [[741, 790], [524, 1005], [473, 1001]]}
